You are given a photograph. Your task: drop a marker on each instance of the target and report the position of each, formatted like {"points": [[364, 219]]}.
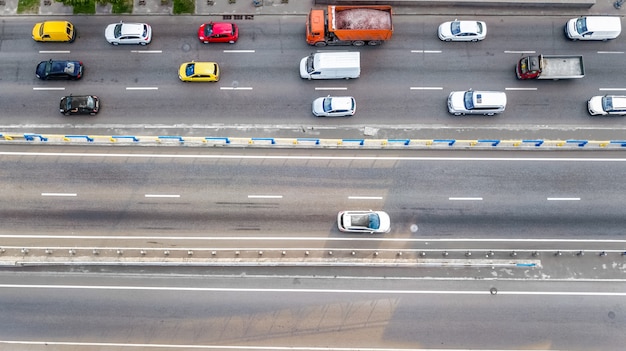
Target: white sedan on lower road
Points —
{"points": [[462, 31], [334, 106], [373, 222]]}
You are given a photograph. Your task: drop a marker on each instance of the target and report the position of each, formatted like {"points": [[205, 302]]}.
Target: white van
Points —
{"points": [[331, 65], [593, 28]]}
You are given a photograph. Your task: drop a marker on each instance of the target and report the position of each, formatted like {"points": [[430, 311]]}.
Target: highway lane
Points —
{"points": [[167, 312], [273, 47], [219, 193]]}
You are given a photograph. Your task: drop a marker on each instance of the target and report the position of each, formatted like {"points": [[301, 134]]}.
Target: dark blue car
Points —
{"points": [[68, 70]]}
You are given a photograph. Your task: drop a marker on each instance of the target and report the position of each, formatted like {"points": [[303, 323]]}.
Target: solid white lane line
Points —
{"points": [[308, 157], [331, 88], [59, 194], [609, 89], [287, 238], [365, 197], [265, 196], [307, 290], [239, 51], [49, 88], [610, 52], [142, 88], [519, 52], [521, 89], [235, 88], [54, 51], [426, 51], [563, 199], [465, 198], [426, 88], [160, 195], [146, 51]]}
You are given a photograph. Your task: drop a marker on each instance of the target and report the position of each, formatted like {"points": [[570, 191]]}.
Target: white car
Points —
{"points": [[462, 31], [373, 222], [472, 102], [128, 33], [607, 105], [334, 106]]}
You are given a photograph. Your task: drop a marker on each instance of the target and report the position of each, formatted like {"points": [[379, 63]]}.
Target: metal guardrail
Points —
{"points": [[193, 141]]}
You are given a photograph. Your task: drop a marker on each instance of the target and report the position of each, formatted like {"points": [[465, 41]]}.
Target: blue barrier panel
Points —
{"points": [[31, 137], [135, 139], [493, 142], [621, 142], [80, 136], [537, 142], [226, 140], [449, 141], [580, 143], [526, 264], [405, 141], [179, 138], [361, 141], [270, 139], [317, 141]]}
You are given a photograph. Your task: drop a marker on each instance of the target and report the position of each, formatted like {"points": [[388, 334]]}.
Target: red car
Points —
{"points": [[218, 32]]}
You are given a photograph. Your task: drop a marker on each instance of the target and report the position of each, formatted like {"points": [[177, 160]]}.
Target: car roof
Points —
{"points": [[341, 102], [132, 28], [619, 102], [489, 98], [204, 67], [468, 26], [222, 27]]}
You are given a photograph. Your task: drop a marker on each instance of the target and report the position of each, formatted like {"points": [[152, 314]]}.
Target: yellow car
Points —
{"points": [[199, 72], [54, 31]]}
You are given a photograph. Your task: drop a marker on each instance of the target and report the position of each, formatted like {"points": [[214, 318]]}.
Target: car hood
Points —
{"points": [[595, 105], [108, 31], [318, 105], [445, 29], [456, 100]]}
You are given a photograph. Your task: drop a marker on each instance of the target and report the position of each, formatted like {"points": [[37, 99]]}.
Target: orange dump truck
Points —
{"points": [[349, 25]]}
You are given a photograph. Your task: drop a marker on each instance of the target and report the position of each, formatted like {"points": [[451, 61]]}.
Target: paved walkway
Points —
{"points": [[301, 7]]}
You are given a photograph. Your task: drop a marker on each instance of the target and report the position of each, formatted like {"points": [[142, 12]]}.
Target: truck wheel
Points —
{"points": [[373, 42], [320, 44], [358, 43]]}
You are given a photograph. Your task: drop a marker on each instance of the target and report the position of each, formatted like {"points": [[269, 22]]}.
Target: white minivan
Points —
{"points": [[593, 28], [331, 65]]}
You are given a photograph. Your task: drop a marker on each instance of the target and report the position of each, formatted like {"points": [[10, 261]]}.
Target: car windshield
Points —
{"points": [[190, 69], [328, 104], [117, 31], [607, 103], [455, 28], [468, 99], [374, 221], [581, 25], [208, 29]]}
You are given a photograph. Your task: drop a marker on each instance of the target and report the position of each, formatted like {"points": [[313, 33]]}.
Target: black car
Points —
{"points": [[80, 105], [59, 70]]}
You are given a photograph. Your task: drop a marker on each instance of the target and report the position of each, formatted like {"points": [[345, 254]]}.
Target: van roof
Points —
{"points": [[603, 23], [337, 59]]}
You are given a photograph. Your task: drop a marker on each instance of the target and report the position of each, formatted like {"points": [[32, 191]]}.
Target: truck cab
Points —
{"points": [[315, 28], [528, 67]]}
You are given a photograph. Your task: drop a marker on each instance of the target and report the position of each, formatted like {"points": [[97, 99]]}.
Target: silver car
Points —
{"points": [[612, 105], [128, 33], [473, 102], [334, 106], [462, 31], [373, 222]]}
